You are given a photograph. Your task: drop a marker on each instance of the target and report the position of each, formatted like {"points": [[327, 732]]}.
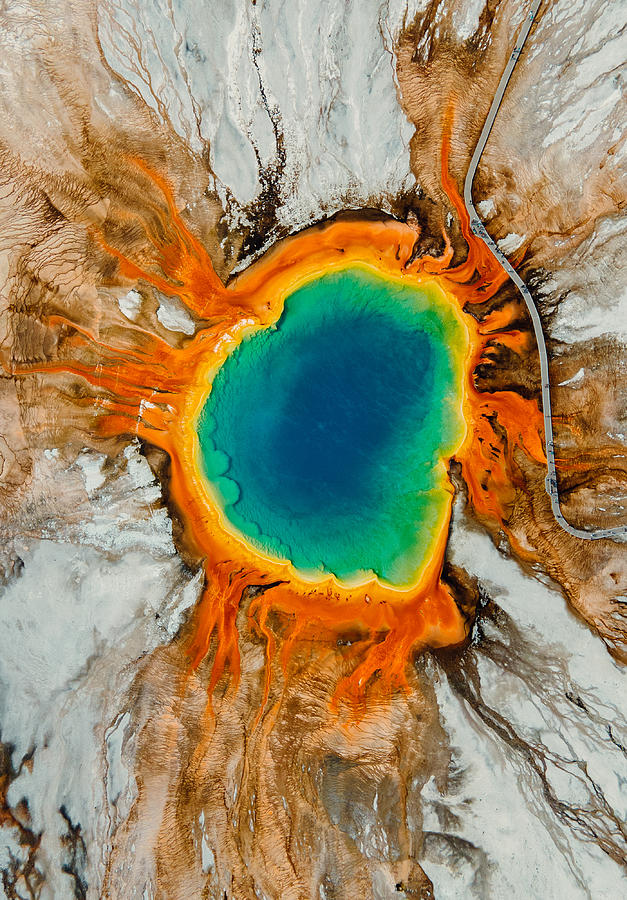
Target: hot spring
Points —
{"points": [[324, 438]]}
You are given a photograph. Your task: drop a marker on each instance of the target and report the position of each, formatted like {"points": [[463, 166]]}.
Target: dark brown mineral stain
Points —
{"points": [[75, 853], [23, 877], [505, 646]]}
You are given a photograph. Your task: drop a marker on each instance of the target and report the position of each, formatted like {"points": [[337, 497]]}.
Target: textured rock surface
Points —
{"points": [[502, 773]]}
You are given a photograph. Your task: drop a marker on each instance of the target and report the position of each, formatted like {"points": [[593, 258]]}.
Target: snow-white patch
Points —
{"points": [[173, 615], [59, 687], [52, 453], [511, 242], [152, 532], [486, 208], [592, 109], [595, 86], [130, 304], [333, 88], [397, 14], [120, 784], [207, 857], [143, 525], [465, 18], [74, 624], [576, 378], [137, 466], [90, 465], [496, 802], [592, 286], [155, 536], [541, 610], [173, 316], [579, 319]]}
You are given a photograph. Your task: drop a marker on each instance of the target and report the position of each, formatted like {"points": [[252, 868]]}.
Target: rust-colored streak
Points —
{"points": [[142, 386]]}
